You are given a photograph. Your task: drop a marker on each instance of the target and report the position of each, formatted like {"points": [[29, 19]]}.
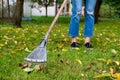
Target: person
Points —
{"points": [[89, 22]]}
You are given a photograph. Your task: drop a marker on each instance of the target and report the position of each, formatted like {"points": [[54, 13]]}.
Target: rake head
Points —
{"points": [[39, 54]]}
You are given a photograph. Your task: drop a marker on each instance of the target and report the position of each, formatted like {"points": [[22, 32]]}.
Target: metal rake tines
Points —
{"points": [[38, 54]]}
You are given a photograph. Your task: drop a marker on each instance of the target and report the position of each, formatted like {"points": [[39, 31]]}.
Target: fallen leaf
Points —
{"points": [[78, 61], [117, 62], [109, 61], [88, 67], [61, 61], [114, 51], [28, 69], [103, 75], [1, 45], [116, 76], [60, 46], [77, 48], [64, 49], [111, 71], [15, 42], [38, 67], [102, 60], [67, 62], [27, 50], [83, 75]]}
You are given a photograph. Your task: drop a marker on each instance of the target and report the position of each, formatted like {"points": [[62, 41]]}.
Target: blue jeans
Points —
{"points": [[75, 18]]}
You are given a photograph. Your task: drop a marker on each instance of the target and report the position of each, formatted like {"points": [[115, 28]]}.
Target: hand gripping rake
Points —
{"points": [[39, 54]]}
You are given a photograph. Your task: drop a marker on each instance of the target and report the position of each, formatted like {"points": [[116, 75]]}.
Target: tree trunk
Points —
{"points": [[46, 6], [18, 13], [2, 9], [56, 7], [8, 9], [97, 9]]}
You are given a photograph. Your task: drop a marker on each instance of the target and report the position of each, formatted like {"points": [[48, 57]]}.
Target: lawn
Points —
{"points": [[63, 63]]}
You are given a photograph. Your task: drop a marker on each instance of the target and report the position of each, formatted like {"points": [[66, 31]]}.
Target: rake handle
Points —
{"points": [[56, 18]]}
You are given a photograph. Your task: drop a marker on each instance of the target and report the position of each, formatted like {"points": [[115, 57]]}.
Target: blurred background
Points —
{"points": [[10, 8]]}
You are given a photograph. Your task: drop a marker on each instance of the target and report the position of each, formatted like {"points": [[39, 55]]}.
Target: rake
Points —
{"points": [[39, 54]]}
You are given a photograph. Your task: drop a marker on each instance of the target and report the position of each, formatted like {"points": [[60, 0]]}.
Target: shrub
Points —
{"points": [[107, 11]]}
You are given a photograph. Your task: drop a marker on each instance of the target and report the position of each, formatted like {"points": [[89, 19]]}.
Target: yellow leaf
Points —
{"points": [[6, 42], [60, 46], [85, 51], [77, 48], [1, 45], [114, 51], [116, 76], [15, 42], [65, 39], [99, 76], [105, 43], [36, 31], [13, 51], [101, 34], [103, 75], [109, 61], [111, 71], [78, 61], [102, 60], [108, 39], [117, 62], [27, 50], [58, 30], [6, 37], [82, 75], [62, 35], [64, 49]]}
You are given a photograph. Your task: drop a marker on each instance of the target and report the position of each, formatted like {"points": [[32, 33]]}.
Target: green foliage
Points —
{"points": [[107, 11], [114, 4], [63, 62]]}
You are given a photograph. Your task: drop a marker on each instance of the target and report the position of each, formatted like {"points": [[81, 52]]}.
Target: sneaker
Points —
{"points": [[74, 45], [88, 45]]}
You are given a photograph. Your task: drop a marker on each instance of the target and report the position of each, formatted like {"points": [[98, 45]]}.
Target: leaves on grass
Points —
{"points": [[30, 67], [103, 75], [109, 61], [61, 46], [112, 73], [17, 40]]}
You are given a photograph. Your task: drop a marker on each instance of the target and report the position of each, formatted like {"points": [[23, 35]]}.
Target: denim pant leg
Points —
{"points": [[89, 18], [75, 18]]}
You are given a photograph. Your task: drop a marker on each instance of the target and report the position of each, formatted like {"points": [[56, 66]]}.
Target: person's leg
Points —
{"points": [[89, 20], [75, 18]]}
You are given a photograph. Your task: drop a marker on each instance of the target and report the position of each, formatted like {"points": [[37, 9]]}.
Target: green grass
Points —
{"points": [[63, 63]]}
